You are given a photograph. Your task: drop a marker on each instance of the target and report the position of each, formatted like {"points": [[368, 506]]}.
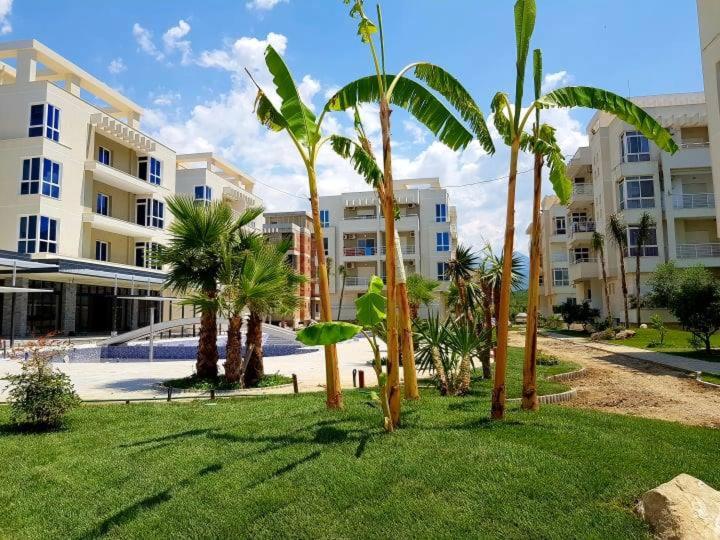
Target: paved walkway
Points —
{"points": [[681, 363], [135, 380]]}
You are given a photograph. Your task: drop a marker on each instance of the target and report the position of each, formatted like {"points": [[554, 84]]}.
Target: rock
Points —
{"points": [[643, 326], [603, 335], [624, 334], [521, 318], [683, 508]]}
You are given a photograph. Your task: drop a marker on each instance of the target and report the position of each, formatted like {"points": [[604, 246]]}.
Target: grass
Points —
{"points": [[710, 377], [280, 466], [193, 382]]}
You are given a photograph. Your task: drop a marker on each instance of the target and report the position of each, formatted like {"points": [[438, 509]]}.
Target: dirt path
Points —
{"points": [[619, 384]]}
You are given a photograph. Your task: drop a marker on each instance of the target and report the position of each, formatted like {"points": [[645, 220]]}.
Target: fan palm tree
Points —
{"points": [[420, 290], [460, 269], [597, 244], [343, 274], [511, 122], [194, 256], [642, 235], [400, 90], [617, 229], [431, 334]]}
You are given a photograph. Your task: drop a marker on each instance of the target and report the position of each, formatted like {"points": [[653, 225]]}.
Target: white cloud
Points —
{"points": [[143, 37], [417, 133], [551, 81], [263, 5], [165, 99], [243, 52], [117, 65], [5, 10], [173, 40]]}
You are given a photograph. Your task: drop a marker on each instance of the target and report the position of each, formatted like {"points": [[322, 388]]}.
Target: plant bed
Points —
{"points": [[194, 383]]}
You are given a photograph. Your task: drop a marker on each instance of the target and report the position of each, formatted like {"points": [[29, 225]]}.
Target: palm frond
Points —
{"points": [[363, 162]]}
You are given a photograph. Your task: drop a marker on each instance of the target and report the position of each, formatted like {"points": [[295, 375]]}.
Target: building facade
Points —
{"points": [[622, 172], [355, 237]]}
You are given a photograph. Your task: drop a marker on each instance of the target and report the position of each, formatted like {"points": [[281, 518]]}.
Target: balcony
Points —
{"points": [[121, 180], [583, 268], [694, 205], [690, 156], [582, 195], [581, 231], [369, 251], [120, 226], [692, 254], [406, 250], [354, 282]]}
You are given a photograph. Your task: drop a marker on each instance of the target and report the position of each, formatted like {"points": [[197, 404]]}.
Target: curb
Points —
{"points": [[707, 384], [569, 376], [229, 393], [551, 398]]}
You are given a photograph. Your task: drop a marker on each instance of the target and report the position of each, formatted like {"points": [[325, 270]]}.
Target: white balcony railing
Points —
{"points": [[359, 251], [698, 251], [357, 281], [579, 259], [406, 250], [360, 216], [700, 144], [694, 200], [583, 227], [582, 189]]}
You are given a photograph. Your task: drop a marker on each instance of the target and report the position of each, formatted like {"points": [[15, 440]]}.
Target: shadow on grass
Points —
{"points": [[285, 469], [31, 429]]}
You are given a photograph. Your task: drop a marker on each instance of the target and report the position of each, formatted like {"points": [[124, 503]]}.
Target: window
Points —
{"points": [[150, 171], [578, 217], [634, 147], [104, 156], [442, 241], [561, 277], [102, 251], [324, 218], [51, 179], [44, 118], [637, 192], [203, 193], [366, 246], [325, 245], [30, 183], [31, 178], [38, 234], [442, 271], [102, 204], [560, 226], [150, 213], [440, 213], [144, 255], [650, 249], [581, 255]]}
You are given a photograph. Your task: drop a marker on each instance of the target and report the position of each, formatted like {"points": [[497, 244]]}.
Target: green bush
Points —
{"points": [[546, 359], [656, 323]]}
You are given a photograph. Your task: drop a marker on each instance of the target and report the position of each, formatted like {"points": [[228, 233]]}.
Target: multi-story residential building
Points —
{"points": [[355, 235], [82, 191], [296, 227], [622, 172]]}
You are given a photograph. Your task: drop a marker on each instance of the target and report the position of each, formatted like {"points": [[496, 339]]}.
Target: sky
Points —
{"points": [[183, 61]]}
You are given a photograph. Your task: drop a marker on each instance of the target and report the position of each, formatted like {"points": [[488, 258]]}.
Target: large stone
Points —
{"points": [[624, 334], [683, 508]]}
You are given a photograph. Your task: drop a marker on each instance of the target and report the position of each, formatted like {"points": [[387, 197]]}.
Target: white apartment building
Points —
{"points": [[622, 172], [355, 236]]}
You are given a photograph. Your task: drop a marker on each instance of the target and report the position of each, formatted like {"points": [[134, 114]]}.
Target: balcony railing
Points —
{"points": [[359, 251], [406, 250], [582, 189], [700, 144], [698, 251], [583, 227], [579, 259], [361, 216], [357, 281], [694, 200], [559, 257]]}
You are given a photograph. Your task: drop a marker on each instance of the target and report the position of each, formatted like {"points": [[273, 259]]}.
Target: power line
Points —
{"points": [[304, 198], [486, 181]]}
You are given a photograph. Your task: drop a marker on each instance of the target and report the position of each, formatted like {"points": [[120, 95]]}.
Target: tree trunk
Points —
{"points": [[623, 281], [393, 366], [207, 355], [637, 285], [440, 372], [497, 411], [485, 326], [414, 311], [255, 369], [342, 293], [606, 288], [464, 375], [233, 357], [332, 369], [406, 339], [529, 395]]}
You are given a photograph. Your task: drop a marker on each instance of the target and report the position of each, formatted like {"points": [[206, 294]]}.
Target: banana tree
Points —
{"points": [[511, 121], [400, 90]]}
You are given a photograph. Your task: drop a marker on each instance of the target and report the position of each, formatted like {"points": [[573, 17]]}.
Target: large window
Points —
{"points": [[203, 193], [38, 234], [635, 147], [30, 183], [560, 225], [561, 277], [150, 212], [636, 192], [150, 170], [102, 204], [144, 255], [650, 247], [324, 218], [442, 271], [104, 156], [442, 241], [440, 213], [44, 119], [580, 255], [365, 246], [102, 251], [325, 245], [33, 182]]}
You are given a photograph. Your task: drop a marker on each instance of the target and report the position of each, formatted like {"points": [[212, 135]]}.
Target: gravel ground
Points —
{"points": [[618, 384]]}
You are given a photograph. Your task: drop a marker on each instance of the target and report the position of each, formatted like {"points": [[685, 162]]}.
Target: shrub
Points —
{"points": [[545, 359], [554, 322], [572, 312], [656, 323], [40, 396]]}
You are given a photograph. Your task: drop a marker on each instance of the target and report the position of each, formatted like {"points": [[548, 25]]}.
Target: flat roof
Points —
{"points": [[222, 168]]}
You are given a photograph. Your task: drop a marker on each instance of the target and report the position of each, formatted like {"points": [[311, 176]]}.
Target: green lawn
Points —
{"points": [[282, 466], [711, 378]]}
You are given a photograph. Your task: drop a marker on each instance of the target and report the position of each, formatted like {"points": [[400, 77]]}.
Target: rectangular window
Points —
{"points": [[102, 204], [150, 213], [150, 170], [637, 192], [51, 179], [38, 234], [442, 241], [650, 247], [102, 251], [442, 271], [325, 245], [324, 218], [561, 277], [581, 255], [366, 246], [203, 193], [635, 147], [560, 226], [440, 213], [144, 255], [104, 156], [30, 183], [44, 119], [37, 121]]}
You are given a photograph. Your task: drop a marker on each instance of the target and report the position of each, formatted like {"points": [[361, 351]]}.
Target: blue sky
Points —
{"points": [[183, 60]]}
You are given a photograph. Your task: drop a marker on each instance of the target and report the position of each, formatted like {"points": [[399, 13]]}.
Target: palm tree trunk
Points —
{"points": [[637, 284], [623, 281], [464, 374], [440, 372], [332, 370], [393, 366], [342, 293], [233, 360], [408, 348], [529, 395], [255, 369], [606, 288], [486, 331], [497, 410], [207, 355], [414, 311]]}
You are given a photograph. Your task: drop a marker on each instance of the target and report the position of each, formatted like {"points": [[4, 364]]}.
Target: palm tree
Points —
{"points": [[431, 334], [343, 273], [460, 269], [420, 290], [406, 93], [303, 128], [598, 246], [194, 255], [642, 234], [618, 234], [510, 122]]}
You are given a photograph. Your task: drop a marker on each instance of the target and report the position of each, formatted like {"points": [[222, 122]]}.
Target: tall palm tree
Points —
{"points": [[598, 246], [511, 122], [460, 269], [386, 89], [421, 291], [642, 234], [343, 274], [303, 128], [194, 255], [617, 229]]}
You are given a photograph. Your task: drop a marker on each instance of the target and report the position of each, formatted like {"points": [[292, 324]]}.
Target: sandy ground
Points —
{"points": [[618, 384]]}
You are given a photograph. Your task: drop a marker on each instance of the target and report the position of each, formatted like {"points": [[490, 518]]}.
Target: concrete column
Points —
{"points": [[134, 314], [26, 66], [21, 302], [72, 84], [133, 120], [68, 306]]}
